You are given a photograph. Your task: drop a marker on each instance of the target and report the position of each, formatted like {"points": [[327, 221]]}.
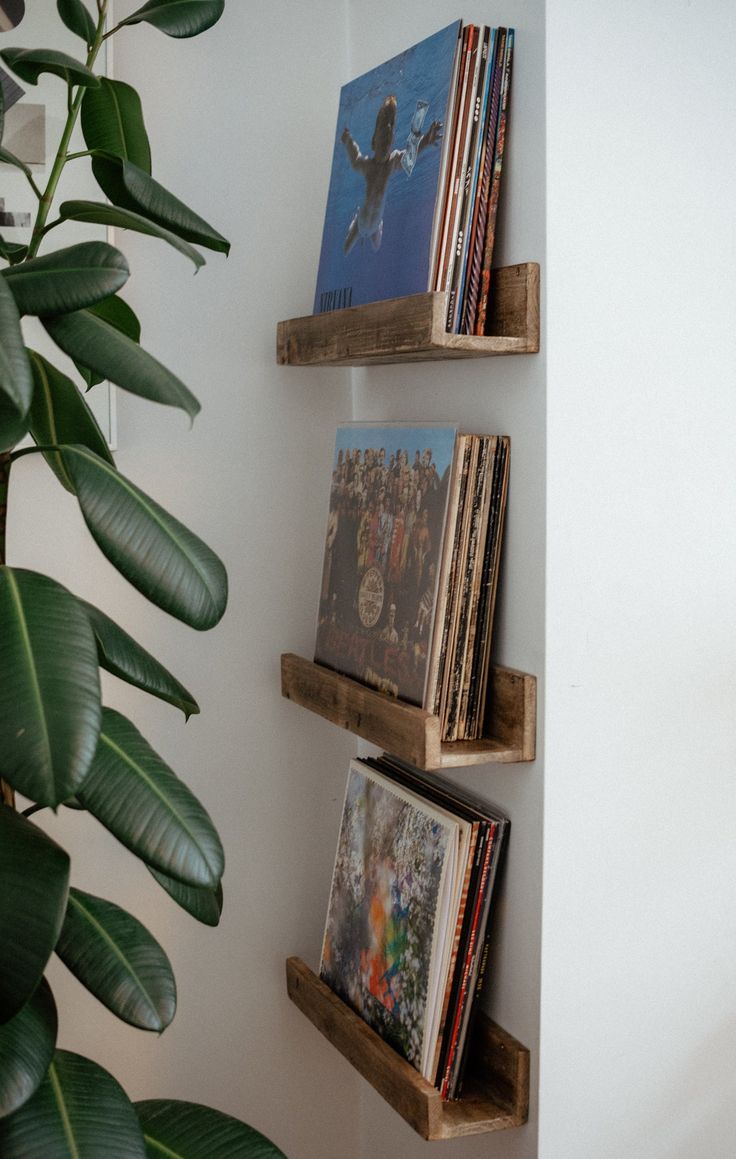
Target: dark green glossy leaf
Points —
{"points": [[59, 414], [30, 63], [178, 1130], [179, 17], [112, 120], [12, 427], [203, 904], [27, 1045], [132, 188], [10, 250], [8, 158], [34, 871], [101, 214], [77, 19], [79, 1112], [135, 795], [49, 687], [94, 343], [120, 654], [165, 561], [116, 958], [117, 313], [68, 279], [16, 380], [2, 112]]}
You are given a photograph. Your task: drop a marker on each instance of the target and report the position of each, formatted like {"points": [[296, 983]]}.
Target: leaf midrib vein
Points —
{"points": [[63, 1112], [32, 671]]}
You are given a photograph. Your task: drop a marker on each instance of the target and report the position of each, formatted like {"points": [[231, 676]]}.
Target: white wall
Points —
{"points": [[638, 1012], [505, 396]]}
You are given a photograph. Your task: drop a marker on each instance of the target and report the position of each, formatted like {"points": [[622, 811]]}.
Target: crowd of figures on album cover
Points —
{"points": [[387, 507]]}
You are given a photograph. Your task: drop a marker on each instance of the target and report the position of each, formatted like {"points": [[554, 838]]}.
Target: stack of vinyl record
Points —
{"points": [[406, 936], [411, 565], [460, 655], [465, 225]]}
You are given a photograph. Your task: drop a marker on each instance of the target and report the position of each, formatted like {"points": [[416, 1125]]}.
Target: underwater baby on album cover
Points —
{"points": [[386, 166]]}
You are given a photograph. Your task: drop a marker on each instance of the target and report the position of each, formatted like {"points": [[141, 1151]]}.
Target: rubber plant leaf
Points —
{"points": [[67, 279], [16, 380], [112, 120], [10, 250], [93, 342], [129, 187], [59, 414], [165, 561], [117, 959], [120, 654], [182, 1130], [12, 427], [9, 158], [77, 18], [142, 802], [203, 904], [179, 17], [101, 214], [115, 311], [27, 1044], [79, 1110], [30, 63], [49, 687], [34, 871]]}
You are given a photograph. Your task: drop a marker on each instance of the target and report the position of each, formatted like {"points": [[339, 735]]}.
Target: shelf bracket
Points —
{"points": [[409, 732]]}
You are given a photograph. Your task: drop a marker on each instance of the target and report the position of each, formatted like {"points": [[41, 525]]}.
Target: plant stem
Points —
{"points": [[33, 809], [74, 105]]}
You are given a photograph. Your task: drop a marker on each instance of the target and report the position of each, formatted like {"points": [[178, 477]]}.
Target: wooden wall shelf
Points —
{"points": [[409, 732], [497, 1086], [412, 329]]}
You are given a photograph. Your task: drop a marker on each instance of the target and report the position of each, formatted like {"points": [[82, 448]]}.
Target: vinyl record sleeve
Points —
{"points": [[385, 947], [385, 533], [386, 179]]}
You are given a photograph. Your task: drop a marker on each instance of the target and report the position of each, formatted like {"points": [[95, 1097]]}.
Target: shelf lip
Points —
{"points": [[412, 329], [409, 732], [504, 1059]]}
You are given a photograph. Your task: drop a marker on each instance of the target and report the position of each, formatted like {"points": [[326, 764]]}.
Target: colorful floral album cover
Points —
{"points": [[389, 909]]}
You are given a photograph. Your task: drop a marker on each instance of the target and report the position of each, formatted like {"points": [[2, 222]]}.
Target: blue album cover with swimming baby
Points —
{"points": [[386, 173]]}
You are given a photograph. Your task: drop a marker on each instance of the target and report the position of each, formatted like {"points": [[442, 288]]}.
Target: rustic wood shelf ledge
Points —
{"points": [[412, 329], [497, 1084], [409, 732]]}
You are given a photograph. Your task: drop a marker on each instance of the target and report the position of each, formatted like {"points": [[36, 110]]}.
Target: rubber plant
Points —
{"points": [[59, 746]]}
